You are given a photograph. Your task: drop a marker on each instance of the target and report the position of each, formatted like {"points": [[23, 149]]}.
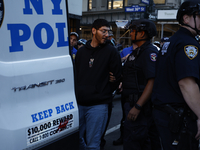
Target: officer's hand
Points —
{"points": [[120, 87], [133, 113], [198, 132], [112, 78]]}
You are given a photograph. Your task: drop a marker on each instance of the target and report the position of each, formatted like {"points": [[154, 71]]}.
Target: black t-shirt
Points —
{"points": [[139, 67], [178, 59]]}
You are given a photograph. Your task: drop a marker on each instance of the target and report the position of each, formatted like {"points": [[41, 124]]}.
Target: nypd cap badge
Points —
{"points": [[191, 51]]}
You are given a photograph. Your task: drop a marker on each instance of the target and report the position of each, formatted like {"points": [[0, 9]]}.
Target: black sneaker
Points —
{"points": [[103, 143], [118, 141]]}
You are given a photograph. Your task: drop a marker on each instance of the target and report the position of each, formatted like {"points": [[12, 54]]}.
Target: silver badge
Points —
{"points": [[131, 58]]}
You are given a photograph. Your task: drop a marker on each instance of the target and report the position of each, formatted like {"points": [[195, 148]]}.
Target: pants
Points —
{"points": [[135, 132], [108, 120], [123, 115], [140, 134], [92, 123], [162, 120]]}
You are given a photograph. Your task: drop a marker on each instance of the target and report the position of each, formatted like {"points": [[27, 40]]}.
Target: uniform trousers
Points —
{"points": [[168, 138], [140, 134]]}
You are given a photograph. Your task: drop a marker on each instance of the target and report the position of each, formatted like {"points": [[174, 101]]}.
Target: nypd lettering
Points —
{"points": [[165, 47], [49, 129], [48, 113], [153, 56], [191, 51], [21, 32]]}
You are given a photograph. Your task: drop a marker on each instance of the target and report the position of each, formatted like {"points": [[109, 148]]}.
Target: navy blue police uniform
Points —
{"points": [[139, 67], [178, 59]]}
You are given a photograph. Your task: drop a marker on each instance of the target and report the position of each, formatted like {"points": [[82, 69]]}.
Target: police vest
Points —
{"points": [[133, 77]]}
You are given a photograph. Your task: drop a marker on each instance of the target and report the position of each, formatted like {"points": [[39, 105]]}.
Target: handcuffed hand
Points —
{"points": [[112, 77]]}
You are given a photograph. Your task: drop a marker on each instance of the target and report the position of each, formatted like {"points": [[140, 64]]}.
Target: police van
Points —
{"points": [[38, 109]]}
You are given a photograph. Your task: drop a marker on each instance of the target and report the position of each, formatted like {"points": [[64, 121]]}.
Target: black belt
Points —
{"points": [[173, 110]]}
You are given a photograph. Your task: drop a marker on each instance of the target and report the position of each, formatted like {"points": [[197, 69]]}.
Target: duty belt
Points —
{"points": [[175, 110]]}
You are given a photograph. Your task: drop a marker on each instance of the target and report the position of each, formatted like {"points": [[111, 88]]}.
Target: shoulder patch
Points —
{"points": [[153, 56], [165, 47], [191, 51]]}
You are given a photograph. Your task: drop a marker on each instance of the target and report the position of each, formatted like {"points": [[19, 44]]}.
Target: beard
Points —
{"points": [[99, 39]]}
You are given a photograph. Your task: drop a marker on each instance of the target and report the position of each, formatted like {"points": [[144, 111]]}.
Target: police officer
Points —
{"points": [[73, 43], [163, 40], [137, 84], [176, 84], [81, 42]]}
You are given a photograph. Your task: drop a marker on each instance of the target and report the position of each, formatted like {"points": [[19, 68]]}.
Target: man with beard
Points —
{"points": [[94, 63]]}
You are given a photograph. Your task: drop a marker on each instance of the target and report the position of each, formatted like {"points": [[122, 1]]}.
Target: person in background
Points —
{"points": [[73, 42], [157, 45], [94, 63], [81, 42], [163, 40], [126, 51], [110, 38], [120, 46]]}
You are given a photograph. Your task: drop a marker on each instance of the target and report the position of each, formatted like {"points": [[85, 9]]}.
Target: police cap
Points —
{"points": [[188, 7], [164, 39], [74, 33], [144, 25], [82, 41]]}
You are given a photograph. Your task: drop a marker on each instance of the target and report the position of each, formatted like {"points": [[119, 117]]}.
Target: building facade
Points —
{"points": [[75, 14], [161, 12]]}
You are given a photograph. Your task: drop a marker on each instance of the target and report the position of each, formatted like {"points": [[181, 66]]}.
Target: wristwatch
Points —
{"points": [[138, 107]]}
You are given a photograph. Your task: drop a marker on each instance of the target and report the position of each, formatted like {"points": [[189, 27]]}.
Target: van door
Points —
{"points": [[37, 100]]}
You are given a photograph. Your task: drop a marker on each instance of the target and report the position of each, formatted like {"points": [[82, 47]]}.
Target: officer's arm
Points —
{"points": [[191, 94], [133, 113], [146, 93]]}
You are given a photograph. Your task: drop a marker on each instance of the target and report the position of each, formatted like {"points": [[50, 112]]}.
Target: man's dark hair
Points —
{"points": [[98, 23]]}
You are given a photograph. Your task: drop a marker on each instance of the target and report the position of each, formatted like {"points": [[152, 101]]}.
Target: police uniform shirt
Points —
{"points": [[144, 63], [178, 59]]}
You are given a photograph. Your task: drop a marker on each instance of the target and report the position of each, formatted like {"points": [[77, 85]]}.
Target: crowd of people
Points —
{"points": [[159, 84]]}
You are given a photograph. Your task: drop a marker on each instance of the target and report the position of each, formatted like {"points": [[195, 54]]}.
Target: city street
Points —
{"points": [[113, 131]]}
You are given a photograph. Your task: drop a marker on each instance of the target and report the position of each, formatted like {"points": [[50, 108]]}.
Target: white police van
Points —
{"points": [[38, 109]]}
